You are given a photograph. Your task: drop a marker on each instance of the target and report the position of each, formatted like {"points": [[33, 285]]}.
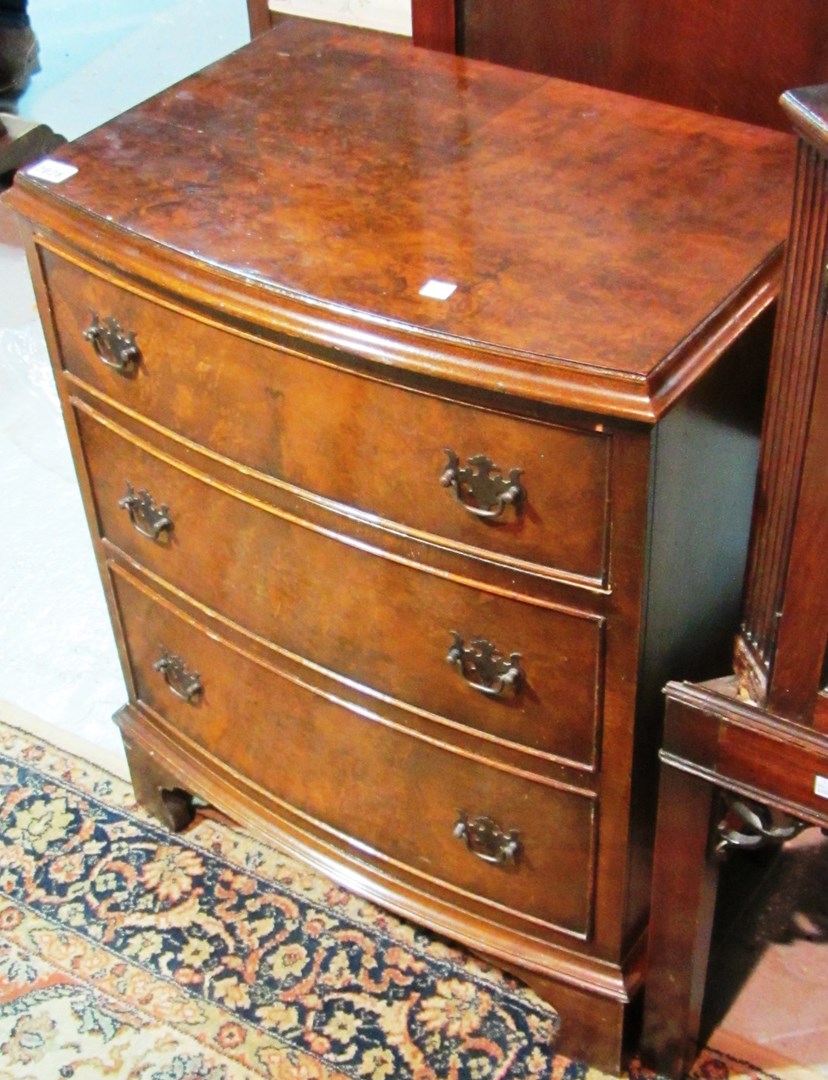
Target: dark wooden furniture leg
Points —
{"points": [[22, 142], [685, 878], [258, 16], [156, 788]]}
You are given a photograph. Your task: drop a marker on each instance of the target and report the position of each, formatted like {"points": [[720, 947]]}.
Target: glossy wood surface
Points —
{"points": [[292, 403], [383, 770], [377, 167], [314, 426], [556, 711], [730, 57]]}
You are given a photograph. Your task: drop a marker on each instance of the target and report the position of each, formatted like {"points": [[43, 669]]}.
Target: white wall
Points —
{"points": [[391, 15]]}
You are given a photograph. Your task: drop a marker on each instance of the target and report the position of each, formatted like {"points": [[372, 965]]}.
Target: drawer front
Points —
{"points": [[383, 624], [362, 443], [377, 785]]}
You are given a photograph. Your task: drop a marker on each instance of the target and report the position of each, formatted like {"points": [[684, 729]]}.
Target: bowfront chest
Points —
{"points": [[414, 404]]}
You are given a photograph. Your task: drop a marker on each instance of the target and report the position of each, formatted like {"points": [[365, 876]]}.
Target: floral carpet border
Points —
{"points": [[219, 934]]}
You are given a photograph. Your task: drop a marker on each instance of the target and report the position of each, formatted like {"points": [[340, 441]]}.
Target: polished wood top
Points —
{"points": [[605, 249]]}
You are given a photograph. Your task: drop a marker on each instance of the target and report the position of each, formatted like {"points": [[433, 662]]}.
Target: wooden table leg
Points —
{"points": [[685, 878]]}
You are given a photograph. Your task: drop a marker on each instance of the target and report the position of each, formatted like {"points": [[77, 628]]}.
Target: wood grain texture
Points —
{"points": [[382, 777], [732, 58], [314, 425], [406, 619], [263, 230], [345, 199]]}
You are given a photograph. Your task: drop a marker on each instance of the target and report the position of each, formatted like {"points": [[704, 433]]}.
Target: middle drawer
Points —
{"points": [[526, 674]]}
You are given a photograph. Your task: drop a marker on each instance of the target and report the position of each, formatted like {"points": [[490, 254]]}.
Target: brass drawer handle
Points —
{"points": [[480, 487], [483, 667], [750, 825], [114, 346], [147, 518], [487, 840], [183, 683]]}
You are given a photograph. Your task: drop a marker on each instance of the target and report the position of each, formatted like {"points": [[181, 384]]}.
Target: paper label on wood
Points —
{"points": [[53, 171]]}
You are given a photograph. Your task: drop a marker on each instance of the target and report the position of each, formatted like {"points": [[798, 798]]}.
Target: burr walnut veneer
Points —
{"points": [[414, 403]]}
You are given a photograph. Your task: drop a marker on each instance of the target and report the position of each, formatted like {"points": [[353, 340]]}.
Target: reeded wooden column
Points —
{"points": [[780, 651]]}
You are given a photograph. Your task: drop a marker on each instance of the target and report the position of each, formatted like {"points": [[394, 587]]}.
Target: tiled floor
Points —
{"points": [[57, 659]]}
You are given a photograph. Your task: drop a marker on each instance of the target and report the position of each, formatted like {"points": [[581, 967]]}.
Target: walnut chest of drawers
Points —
{"points": [[413, 402]]}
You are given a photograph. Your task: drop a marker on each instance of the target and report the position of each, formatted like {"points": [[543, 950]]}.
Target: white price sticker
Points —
{"points": [[821, 786], [437, 290], [53, 171]]}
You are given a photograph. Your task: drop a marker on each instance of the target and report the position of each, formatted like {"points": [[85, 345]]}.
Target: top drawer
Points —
{"points": [[369, 445]]}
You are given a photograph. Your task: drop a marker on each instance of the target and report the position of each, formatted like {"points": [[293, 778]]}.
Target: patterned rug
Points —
{"points": [[127, 952]]}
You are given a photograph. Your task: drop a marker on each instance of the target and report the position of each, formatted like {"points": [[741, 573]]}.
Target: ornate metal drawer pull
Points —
{"points": [[484, 669], [147, 518], [114, 346], [480, 487], [183, 683], [750, 825], [487, 840]]}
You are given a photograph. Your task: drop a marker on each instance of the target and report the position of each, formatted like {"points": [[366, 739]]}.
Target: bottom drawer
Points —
{"points": [[521, 846]]}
